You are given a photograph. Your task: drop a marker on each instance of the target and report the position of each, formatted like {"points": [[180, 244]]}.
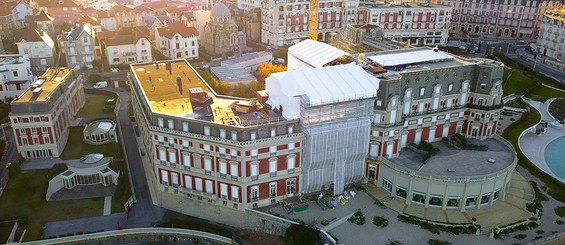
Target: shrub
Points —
{"points": [[301, 234], [540, 231], [357, 218], [438, 242], [559, 222], [560, 211], [520, 236], [436, 229], [380, 221], [380, 204]]}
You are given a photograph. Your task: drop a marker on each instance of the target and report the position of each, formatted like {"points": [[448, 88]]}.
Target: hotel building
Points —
{"points": [[41, 116]]}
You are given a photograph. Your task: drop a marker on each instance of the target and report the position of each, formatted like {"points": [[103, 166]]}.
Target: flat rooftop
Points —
{"points": [[41, 89], [382, 5], [12, 59], [409, 56], [452, 162], [168, 86]]}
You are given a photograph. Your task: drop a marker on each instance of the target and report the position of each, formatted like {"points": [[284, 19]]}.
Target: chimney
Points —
{"points": [[179, 84]]}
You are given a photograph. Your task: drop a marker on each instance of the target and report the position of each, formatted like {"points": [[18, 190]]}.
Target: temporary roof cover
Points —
{"points": [[406, 57], [327, 85], [100, 127], [315, 53]]}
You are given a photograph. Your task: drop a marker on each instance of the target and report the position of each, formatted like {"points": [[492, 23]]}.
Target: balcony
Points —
{"points": [[254, 177], [290, 171], [223, 176], [273, 174], [486, 108], [234, 178]]}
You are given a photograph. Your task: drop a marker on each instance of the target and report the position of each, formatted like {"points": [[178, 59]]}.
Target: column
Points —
{"points": [[409, 191], [463, 200]]}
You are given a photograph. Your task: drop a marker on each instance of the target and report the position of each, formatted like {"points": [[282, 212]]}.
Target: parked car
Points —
{"points": [[102, 84]]}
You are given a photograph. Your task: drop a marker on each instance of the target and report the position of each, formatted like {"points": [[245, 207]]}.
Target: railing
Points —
{"points": [[486, 108], [131, 232], [226, 141]]}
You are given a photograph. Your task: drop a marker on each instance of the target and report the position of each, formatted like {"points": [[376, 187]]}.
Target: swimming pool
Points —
{"points": [[555, 156]]}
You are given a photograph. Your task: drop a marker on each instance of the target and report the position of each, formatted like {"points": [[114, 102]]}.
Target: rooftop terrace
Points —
{"points": [[452, 162], [41, 89], [175, 88]]}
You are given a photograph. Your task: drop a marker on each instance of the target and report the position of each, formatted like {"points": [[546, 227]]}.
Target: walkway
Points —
{"points": [[107, 205], [511, 210], [533, 145]]}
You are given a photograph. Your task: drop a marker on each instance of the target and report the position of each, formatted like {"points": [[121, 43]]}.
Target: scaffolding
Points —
{"points": [[336, 143]]}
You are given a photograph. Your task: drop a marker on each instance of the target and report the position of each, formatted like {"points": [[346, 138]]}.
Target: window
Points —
{"points": [[233, 135], [234, 170], [422, 91], [185, 144], [291, 146], [209, 187], [387, 185], [483, 86], [172, 156], [224, 191], [273, 149], [164, 177], [255, 193], [453, 201], [208, 164], [188, 182], [290, 162], [290, 130], [254, 171], [175, 179], [15, 73], [401, 192], [253, 136], [185, 126], [198, 183], [22, 131], [233, 153], [419, 197], [485, 198], [160, 122], [186, 159], [162, 155], [160, 138], [206, 148], [222, 133], [254, 152], [273, 166], [223, 168], [171, 124], [436, 201], [450, 87], [222, 151], [24, 141], [46, 140], [273, 189], [290, 187], [471, 201], [234, 193], [273, 132]]}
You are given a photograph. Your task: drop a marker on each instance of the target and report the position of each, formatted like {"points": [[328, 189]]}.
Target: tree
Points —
{"points": [[266, 69]]}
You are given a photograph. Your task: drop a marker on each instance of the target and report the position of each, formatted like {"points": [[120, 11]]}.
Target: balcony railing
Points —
{"points": [[486, 108]]}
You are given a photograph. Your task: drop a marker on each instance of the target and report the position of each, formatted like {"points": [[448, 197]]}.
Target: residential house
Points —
{"points": [[78, 46], [101, 5], [42, 21], [12, 16], [93, 22], [125, 16], [177, 41], [63, 11], [38, 45], [129, 45], [15, 75]]}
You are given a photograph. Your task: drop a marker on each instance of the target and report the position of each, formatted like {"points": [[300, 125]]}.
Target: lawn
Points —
{"points": [[76, 148], [94, 105], [24, 199], [557, 109]]}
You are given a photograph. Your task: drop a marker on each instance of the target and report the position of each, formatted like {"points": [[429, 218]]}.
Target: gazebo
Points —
{"points": [[100, 132]]}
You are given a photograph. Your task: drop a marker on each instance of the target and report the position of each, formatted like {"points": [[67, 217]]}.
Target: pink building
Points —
{"points": [[41, 116], [514, 19]]}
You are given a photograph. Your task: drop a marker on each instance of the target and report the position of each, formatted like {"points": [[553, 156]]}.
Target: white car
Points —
{"points": [[102, 84]]}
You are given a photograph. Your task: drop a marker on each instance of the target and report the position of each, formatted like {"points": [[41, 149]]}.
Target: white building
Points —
{"points": [[287, 22], [15, 75], [248, 4], [39, 47], [21, 10], [312, 54], [552, 33], [418, 24], [100, 5], [177, 41], [125, 49]]}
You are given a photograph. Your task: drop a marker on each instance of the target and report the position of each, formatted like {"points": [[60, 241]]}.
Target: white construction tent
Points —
{"points": [[312, 54]]}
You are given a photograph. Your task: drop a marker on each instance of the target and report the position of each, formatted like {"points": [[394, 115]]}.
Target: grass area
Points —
{"points": [[76, 148], [94, 78], [95, 105], [79, 148], [24, 199], [560, 211], [557, 109], [521, 80], [4, 112]]}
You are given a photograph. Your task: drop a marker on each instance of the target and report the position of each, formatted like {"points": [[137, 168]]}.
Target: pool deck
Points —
{"points": [[533, 145]]}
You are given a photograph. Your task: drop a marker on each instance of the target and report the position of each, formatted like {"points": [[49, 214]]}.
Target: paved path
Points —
{"points": [[338, 222], [78, 226], [107, 205], [533, 145]]}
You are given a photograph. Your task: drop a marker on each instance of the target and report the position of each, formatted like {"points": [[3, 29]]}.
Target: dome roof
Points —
{"points": [[220, 10]]}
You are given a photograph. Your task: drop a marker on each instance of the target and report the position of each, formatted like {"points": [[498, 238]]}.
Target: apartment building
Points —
{"points": [[15, 75], [287, 22], [78, 45], [177, 41], [12, 16], [248, 4], [508, 19], [552, 33], [229, 152], [63, 11], [411, 23], [128, 45], [41, 116]]}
